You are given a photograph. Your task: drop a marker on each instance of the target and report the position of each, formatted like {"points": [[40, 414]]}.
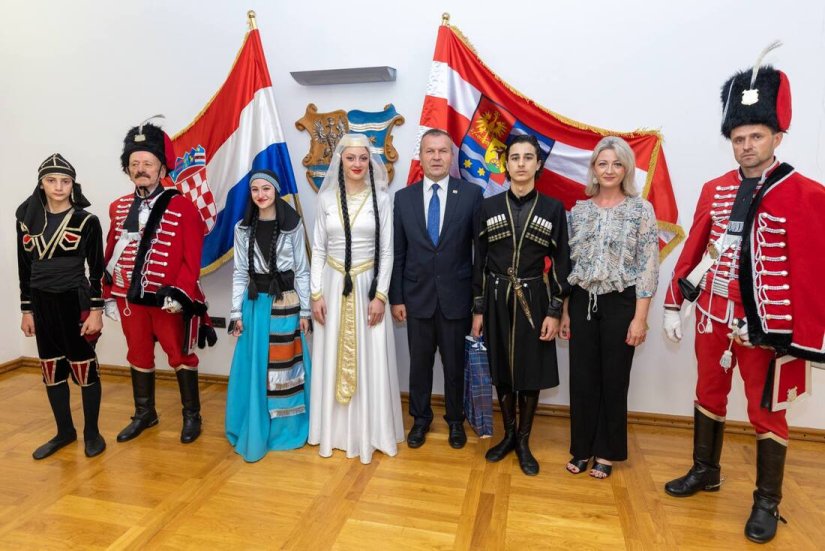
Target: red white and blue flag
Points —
{"points": [[236, 133], [481, 112]]}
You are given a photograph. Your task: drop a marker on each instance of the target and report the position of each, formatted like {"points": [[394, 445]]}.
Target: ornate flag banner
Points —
{"points": [[325, 129], [480, 112], [236, 133]]}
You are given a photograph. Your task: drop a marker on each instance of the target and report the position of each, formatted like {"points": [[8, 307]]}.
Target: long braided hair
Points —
{"points": [[348, 233], [377, 255], [253, 229], [274, 283]]}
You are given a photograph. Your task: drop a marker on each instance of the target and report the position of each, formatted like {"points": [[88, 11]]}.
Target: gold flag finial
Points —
{"points": [[251, 17], [445, 19]]}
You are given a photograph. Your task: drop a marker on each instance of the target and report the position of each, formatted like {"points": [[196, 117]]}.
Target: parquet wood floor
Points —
{"points": [[155, 493]]}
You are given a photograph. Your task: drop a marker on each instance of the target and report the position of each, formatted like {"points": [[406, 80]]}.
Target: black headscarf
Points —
{"points": [[285, 219], [32, 212]]}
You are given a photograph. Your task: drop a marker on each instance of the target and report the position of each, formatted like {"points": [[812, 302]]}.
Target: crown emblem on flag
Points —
{"points": [[189, 177], [194, 157]]}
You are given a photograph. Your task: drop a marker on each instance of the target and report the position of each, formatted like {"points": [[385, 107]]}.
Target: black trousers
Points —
{"points": [[63, 352], [600, 363], [424, 336]]}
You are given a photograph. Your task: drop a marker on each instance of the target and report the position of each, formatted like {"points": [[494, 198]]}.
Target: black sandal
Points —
{"points": [[580, 464], [601, 468]]}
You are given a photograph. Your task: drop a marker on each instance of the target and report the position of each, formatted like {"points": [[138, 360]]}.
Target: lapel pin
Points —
{"points": [[455, 191]]}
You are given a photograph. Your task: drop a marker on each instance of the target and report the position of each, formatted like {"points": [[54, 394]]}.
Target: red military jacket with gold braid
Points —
{"points": [[771, 278], [165, 259]]}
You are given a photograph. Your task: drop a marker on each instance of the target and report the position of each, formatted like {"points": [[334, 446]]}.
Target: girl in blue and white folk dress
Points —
{"points": [[267, 404]]}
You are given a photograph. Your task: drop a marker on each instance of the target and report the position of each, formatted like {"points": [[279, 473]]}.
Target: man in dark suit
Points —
{"points": [[432, 281]]}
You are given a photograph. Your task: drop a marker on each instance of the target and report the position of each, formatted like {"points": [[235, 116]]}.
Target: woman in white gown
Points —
{"points": [[355, 403]]}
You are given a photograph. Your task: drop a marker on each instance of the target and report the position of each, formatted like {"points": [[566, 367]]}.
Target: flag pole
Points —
{"points": [[300, 212], [445, 19], [253, 25]]}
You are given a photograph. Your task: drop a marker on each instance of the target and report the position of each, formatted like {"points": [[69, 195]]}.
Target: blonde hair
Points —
{"points": [[625, 156]]}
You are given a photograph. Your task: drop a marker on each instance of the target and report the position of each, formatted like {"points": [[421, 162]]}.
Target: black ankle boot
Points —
{"points": [[705, 474], [61, 408], [770, 469], [143, 389], [507, 401], [527, 402], [190, 398]]}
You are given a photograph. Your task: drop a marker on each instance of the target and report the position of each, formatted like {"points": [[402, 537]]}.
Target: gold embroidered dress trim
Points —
{"points": [[346, 371]]}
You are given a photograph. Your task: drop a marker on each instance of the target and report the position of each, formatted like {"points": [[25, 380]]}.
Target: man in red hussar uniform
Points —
{"points": [[751, 264], [151, 283]]}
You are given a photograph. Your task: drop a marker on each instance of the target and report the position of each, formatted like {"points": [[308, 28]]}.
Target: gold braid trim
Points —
{"points": [[338, 266], [678, 238], [346, 371], [227, 256]]}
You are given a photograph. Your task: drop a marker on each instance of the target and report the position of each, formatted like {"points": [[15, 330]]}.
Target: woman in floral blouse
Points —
{"points": [[614, 248]]}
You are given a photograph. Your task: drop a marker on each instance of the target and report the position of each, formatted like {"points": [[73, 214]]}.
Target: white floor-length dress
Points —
{"points": [[372, 420]]}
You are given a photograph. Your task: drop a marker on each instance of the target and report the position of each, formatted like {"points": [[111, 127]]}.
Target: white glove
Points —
{"points": [[171, 305], [739, 328], [672, 324], [110, 309]]}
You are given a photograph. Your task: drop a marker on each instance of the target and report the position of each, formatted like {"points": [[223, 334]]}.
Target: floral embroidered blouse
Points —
{"points": [[616, 247]]}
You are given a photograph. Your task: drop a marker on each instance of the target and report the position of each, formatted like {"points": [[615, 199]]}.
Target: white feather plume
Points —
{"points": [[140, 127], [770, 47]]}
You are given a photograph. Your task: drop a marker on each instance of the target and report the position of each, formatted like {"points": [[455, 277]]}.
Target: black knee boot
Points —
{"points": [[190, 398], [527, 402], [143, 389], [94, 444], [770, 469], [507, 401], [705, 474], [62, 410]]}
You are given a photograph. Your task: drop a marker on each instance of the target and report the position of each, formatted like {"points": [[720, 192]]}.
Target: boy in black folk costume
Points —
{"points": [[62, 309], [514, 304]]}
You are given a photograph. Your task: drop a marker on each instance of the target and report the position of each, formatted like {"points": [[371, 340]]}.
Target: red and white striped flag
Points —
{"points": [[480, 112]]}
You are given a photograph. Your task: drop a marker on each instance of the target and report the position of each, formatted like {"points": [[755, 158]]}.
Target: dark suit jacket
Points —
{"points": [[424, 274]]}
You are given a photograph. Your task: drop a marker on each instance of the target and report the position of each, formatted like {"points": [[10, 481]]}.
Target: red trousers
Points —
{"points": [[143, 325], [714, 383]]}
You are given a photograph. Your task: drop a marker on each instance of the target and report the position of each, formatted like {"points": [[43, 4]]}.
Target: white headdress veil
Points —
{"points": [[330, 183]]}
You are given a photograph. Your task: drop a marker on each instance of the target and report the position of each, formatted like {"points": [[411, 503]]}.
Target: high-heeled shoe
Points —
{"points": [[603, 468], [580, 464]]}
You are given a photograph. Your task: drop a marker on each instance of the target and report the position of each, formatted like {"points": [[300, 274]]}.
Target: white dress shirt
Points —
{"points": [[442, 198]]}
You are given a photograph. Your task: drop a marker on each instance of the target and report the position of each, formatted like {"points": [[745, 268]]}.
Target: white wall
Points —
{"points": [[76, 75]]}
